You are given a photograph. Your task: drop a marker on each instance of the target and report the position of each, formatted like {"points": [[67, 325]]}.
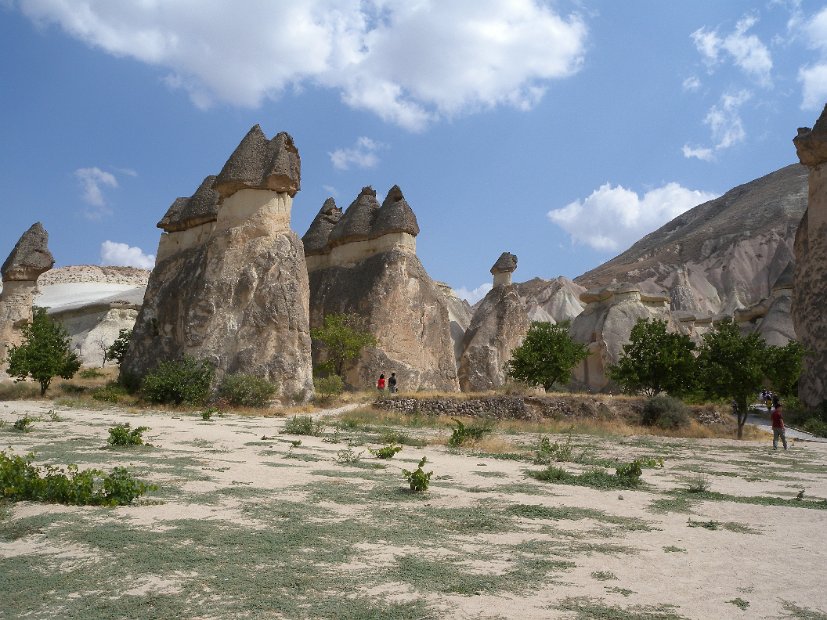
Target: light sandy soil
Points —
{"points": [[524, 548]]}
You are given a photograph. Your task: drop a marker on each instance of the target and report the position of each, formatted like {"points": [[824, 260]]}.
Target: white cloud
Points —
{"points": [[691, 84], [361, 155], [410, 63], [746, 51], [331, 191], [613, 218], [813, 77], [725, 124], [121, 254], [92, 181], [474, 295], [700, 152]]}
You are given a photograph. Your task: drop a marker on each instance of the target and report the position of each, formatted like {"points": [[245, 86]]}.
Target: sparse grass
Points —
{"points": [[739, 603], [588, 609], [673, 549], [19, 391], [604, 575], [802, 613]]}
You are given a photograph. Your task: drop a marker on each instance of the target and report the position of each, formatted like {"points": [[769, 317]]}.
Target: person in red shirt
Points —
{"points": [[778, 427], [380, 385]]}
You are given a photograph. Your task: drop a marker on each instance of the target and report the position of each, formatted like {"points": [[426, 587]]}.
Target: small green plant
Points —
{"points": [[629, 473], [626, 476], [709, 525], [90, 373], [329, 386], [548, 452], [117, 350], [23, 424], [673, 549], [185, 381], [604, 575], [295, 443], [386, 452], [418, 479], [22, 480], [461, 433], [665, 412], [334, 438], [54, 417], [247, 390], [209, 412], [348, 456], [739, 603], [123, 435], [303, 425], [697, 483]]}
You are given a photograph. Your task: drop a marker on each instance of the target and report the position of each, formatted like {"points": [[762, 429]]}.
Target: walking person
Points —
{"points": [[392, 383], [778, 429], [380, 385]]}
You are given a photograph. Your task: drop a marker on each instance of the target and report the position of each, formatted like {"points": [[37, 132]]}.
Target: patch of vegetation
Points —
{"points": [[112, 392], [329, 386], [548, 452], [117, 350], [461, 433], [665, 412], [90, 373], [417, 479], [24, 424], [697, 483], [713, 496], [246, 390], [802, 613], [386, 452], [570, 513], [186, 381], [18, 391], [303, 425], [391, 436], [341, 339], [626, 476], [22, 480], [209, 412], [348, 457], [546, 356], [604, 575], [123, 435], [586, 608], [673, 549], [739, 603]]}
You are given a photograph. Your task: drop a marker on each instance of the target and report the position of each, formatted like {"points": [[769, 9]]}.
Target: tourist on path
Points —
{"points": [[380, 385], [392, 383], [778, 427]]}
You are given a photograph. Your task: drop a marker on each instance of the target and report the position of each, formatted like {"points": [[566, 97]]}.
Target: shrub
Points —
{"points": [[209, 412], [629, 473], [185, 381], [386, 452], [303, 425], [246, 390], [117, 351], [461, 433], [665, 412], [348, 456], [329, 386], [626, 476], [418, 479], [548, 452], [697, 483], [21, 480], [816, 427], [110, 393], [123, 435], [73, 389], [23, 424]]}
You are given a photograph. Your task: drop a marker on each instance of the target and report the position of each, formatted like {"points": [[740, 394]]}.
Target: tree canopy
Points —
{"points": [[342, 338], [44, 353], [782, 367], [546, 356], [655, 361], [117, 350]]}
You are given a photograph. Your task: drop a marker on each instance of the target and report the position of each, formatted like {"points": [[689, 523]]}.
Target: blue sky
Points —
{"points": [[559, 131]]}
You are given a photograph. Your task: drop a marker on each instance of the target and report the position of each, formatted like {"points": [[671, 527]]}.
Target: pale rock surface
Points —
{"points": [[29, 258], [810, 290], [551, 301], [459, 314], [772, 318], [234, 291], [606, 323], [369, 267]]}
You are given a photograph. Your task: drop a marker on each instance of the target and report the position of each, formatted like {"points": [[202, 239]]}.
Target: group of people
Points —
{"points": [[391, 383], [773, 404]]}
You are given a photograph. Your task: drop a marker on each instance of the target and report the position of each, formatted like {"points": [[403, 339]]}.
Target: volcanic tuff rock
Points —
{"points": [[499, 325], [721, 255], [551, 301], [315, 239], [771, 318], [29, 258], [369, 267], [810, 289], [233, 290], [459, 315]]}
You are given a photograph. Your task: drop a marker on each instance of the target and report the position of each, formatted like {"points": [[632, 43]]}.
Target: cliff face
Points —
{"points": [[364, 262], [230, 285], [722, 255]]}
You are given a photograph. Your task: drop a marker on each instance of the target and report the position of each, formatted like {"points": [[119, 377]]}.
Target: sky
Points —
{"points": [[561, 131]]}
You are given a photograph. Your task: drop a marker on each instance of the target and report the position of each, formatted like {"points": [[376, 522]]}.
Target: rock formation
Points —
{"points": [[551, 301], [499, 325], [29, 258], [367, 265], [230, 282], [771, 318], [810, 290], [722, 255], [606, 324], [459, 315]]}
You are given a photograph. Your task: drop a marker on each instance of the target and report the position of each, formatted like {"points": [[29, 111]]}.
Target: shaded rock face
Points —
{"points": [[606, 323], [551, 301], [722, 255], [459, 315], [499, 325], [772, 317], [403, 308], [810, 289], [234, 291], [29, 258]]}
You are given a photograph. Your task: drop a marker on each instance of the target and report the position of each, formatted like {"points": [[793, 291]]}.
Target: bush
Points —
{"points": [[72, 389], [816, 427], [327, 387], [386, 452], [548, 452], [461, 433], [23, 424], [246, 390], [21, 480], [123, 435], [110, 393], [626, 476], [186, 381], [665, 412], [418, 480], [303, 425]]}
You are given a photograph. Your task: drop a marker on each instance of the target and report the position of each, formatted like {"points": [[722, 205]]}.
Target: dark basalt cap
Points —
{"points": [[200, 208], [315, 239], [811, 144], [394, 216], [30, 256], [358, 219], [259, 163], [506, 263]]}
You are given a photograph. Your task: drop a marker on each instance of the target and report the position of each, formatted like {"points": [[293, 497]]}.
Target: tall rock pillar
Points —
{"points": [[230, 285], [810, 288], [29, 258]]}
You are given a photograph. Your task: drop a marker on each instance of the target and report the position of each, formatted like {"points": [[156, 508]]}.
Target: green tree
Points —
{"points": [[655, 361], [44, 353], [782, 366], [546, 356], [731, 366], [117, 351], [342, 338]]}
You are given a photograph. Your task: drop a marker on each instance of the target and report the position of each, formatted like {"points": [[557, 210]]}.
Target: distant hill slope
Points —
{"points": [[721, 255]]}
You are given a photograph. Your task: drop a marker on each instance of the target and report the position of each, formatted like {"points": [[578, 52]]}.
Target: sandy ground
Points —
{"points": [[749, 561]]}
